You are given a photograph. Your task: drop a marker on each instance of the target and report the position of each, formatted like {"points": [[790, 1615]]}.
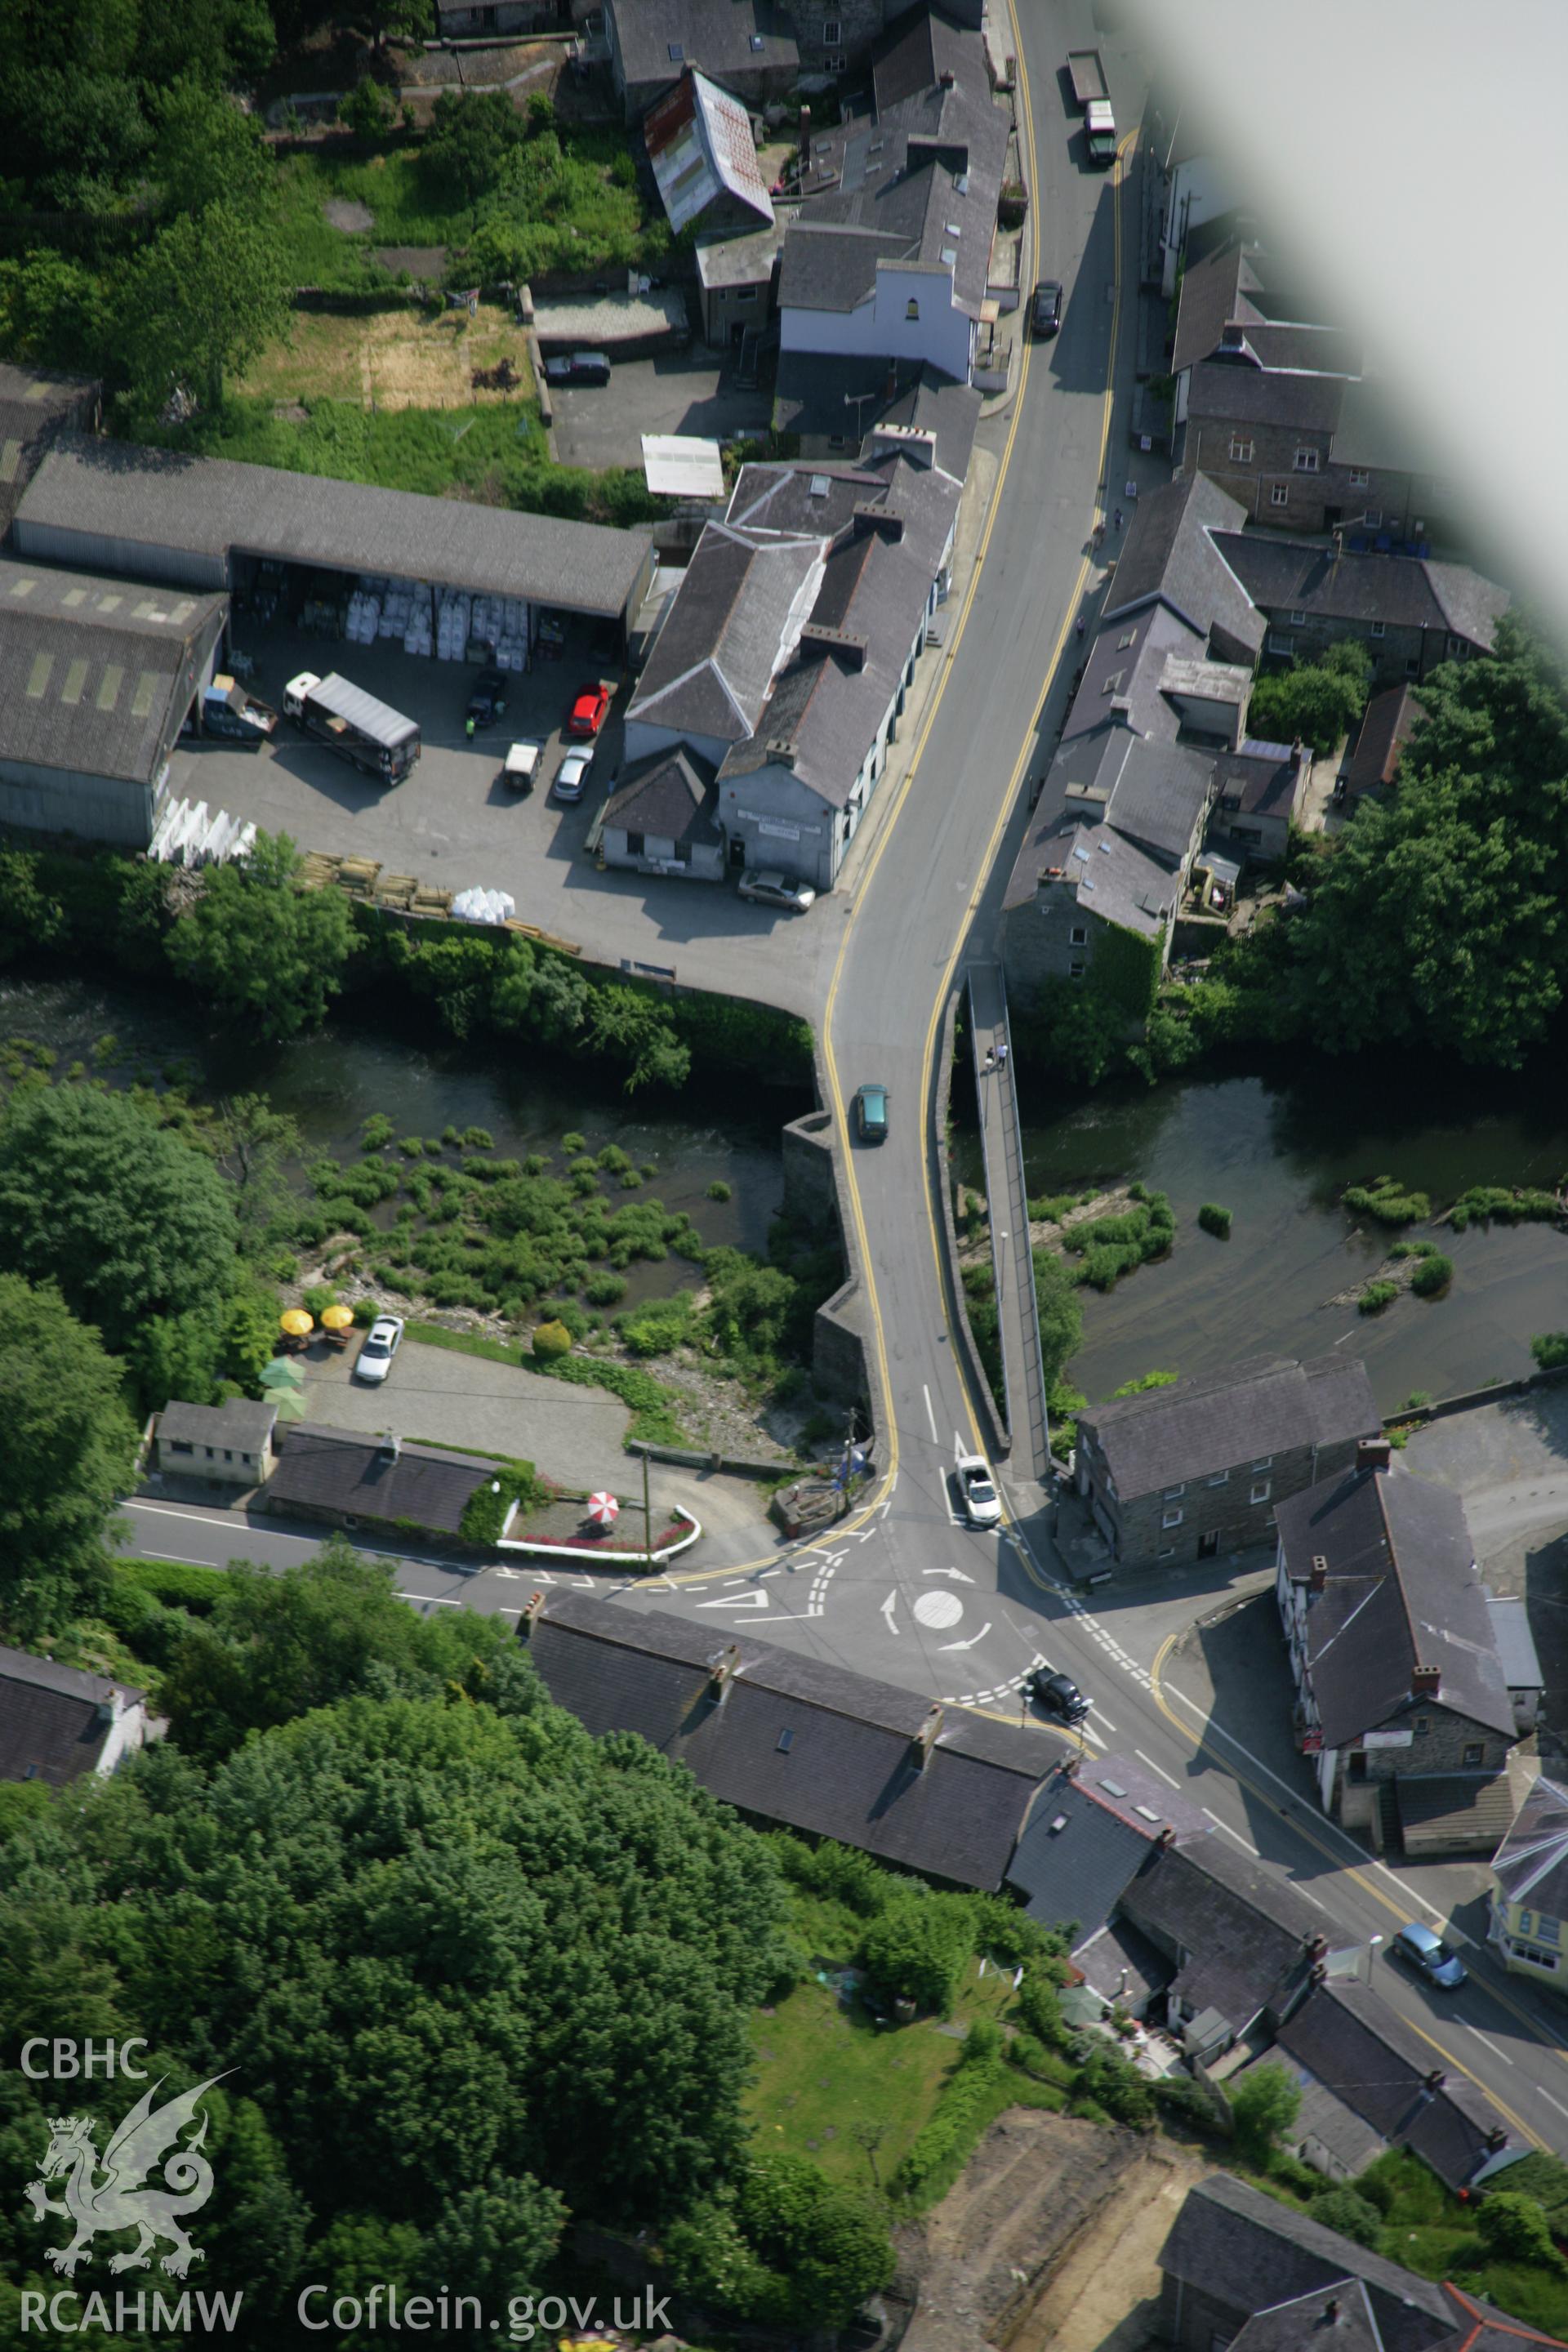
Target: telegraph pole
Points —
{"points": [[646, 1520]]}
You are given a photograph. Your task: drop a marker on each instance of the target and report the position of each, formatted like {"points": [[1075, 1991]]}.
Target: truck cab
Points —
{"points": [[296, 691]]}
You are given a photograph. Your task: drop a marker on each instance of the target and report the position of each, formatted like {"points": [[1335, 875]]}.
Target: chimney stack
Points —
{"points": [[948, 78], [1434, 2081], [1319, 1576], [1331, 2310], [925, 1739], [391, 1445], [1426, 1681], [722, 1668], [1374, 1453], [530, 1615], [1497, 2138]]}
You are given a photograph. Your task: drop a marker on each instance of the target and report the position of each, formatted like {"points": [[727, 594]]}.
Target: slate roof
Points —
{"points": [[669, 795], [1402, 591], [1226, 393], [1244, 1930], [1363, 2053], [1530, 1865], [1215, 287], [1087, 1835], [1401, 1591], [699, 143], [1171, 552], [735, 620], [717, 35], [35, 405], [1339, 2320], [1126, 662], [1196, 1427], [205, 507], [237, 1424], [1160, 797], [1248, 2251], [1443, 1808], [1368, 433], [1261, 777], [873, 585], [1109, 876], [743, 260], [916, 180], [1387, 724], [1118, 1964], [51, 1725], [797, 1740], [345, 1470], [96, 677], [823, 396]]}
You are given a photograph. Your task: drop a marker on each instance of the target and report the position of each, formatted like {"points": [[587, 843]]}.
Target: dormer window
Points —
{"points": [[911, 309]]}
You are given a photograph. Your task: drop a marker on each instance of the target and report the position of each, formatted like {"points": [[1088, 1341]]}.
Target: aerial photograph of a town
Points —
{"points": [[783, 1176]]}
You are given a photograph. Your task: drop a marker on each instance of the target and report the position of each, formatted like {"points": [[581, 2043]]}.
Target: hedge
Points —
{"points": [[178, 1583]]}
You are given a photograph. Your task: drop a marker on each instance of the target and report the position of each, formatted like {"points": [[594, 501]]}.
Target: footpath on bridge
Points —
{"points": [[1001, 1139]]}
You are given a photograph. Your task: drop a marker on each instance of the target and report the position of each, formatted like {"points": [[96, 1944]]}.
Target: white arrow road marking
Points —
{"points": [[956, 1573], [970, 1643], [931, 1414], [500, 1568], [889, 1606], [737, 1601]]}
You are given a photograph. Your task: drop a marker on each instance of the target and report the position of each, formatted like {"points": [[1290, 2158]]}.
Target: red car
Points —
{"points": [[589, 711]]}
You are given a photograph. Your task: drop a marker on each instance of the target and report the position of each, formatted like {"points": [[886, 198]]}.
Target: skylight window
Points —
{"points": [[677, 54]]}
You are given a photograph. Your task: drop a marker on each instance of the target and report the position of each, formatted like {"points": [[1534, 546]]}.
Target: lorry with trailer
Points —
{"points": [[356, 725], [1092, 94]]}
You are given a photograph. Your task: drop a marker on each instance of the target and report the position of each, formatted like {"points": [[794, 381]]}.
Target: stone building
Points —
{"points": [[229, 1443], [836, 33], [1409, 613], [748, 47], [1400, 1689], [1184, 1471], [58, 1723]]}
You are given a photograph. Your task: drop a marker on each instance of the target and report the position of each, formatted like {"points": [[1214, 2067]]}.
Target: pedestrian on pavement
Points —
{"points": [[1118, 518], [990, 1057], [1099, 537], [1079, 630], [1001, 1055]]}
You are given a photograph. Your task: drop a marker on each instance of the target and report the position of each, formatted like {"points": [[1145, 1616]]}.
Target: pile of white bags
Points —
{"points": [[476, 906]]}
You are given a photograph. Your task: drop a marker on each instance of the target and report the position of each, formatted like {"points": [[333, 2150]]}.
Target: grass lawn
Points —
{"points": [[484, 452], [822, 2068], [398, 359]]}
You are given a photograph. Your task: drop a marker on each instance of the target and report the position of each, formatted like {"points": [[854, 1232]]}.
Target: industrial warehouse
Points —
{"points": [[206, 542]]}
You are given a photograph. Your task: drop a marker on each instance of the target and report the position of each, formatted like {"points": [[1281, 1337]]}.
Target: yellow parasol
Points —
{"points": [[336, 1319], [295, 1322]]}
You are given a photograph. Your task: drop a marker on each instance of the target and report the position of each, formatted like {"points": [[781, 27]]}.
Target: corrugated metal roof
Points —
{"points": [[209, 506]]}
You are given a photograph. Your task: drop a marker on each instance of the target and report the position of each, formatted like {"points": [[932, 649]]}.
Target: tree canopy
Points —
{"points": [[1317, 701], [260, 947], [205, 298], [129, 1220], [66, 1444], [470, 1968]]}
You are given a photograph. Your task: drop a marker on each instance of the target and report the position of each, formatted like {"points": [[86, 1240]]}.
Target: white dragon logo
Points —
{"points": [[118, 2202]]}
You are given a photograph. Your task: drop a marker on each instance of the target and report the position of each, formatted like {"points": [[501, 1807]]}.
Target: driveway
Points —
{"points": [[680, 392], [434, 1396]]}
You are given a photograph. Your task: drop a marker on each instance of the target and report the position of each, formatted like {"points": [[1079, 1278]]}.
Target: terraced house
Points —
{"points": [[1402, 1699], [1184, 1471]]}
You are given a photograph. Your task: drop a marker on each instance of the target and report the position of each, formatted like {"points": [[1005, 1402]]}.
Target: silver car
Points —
{"points": [[571, 776], [382, 1342], [778, 890]]}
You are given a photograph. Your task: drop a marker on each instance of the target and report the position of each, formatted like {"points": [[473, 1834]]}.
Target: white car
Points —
{"points": [[778, 890], [522, 766], [571, 776], [981, 1500], [382, 1342]]}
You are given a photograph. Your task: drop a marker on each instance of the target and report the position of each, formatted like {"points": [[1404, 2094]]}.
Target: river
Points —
{"points": [[331, 1081], [1278, 1149]]}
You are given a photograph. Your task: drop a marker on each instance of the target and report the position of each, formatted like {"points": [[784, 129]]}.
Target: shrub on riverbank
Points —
{"points": [[1505, 1204], [1105, 1249], [1386, 1200], [1433, 1276], [1376, 1297], [1215, 1220]]}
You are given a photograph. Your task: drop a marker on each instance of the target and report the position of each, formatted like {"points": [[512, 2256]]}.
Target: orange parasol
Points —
{"points": [[295, 1322], [336, 1319]]}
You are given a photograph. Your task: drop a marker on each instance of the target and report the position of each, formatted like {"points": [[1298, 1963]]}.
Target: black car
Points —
{"points": [[1046, 311], [1057, 1694], [578, 367], [487, 700]]}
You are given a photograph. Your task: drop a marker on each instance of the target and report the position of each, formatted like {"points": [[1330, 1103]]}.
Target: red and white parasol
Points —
{"points": [[603, 1509]]}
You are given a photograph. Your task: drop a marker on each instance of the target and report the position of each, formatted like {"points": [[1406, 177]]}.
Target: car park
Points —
{"points": [[487, 698], [1057, 1694], [521, 766], [1046, 309], [589, 710], [1427, 1956], [980, 1501], [571, 776], [382, 1342], [872, 1114], [771, 890]]}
